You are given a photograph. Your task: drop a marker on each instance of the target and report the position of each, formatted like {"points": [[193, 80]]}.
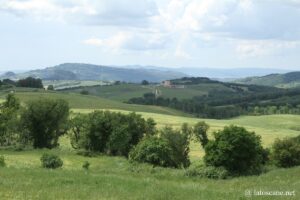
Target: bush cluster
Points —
{"points": [[171, 149], [30, 82], [9, 133], [39, 124], [108, 132], [237, 150], [286, 152], [153, 150], [43, 121], [51, 161]]}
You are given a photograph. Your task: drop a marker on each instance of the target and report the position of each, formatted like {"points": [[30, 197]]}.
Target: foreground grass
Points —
{"points": [[115, 178]]}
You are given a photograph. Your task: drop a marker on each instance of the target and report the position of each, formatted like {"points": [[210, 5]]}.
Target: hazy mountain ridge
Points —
{"points": [[137, 73], [287, 80], [230, 73], [77, 71]]}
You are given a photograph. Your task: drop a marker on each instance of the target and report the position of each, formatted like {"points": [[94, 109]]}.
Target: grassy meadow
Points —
{"points": [[116, 178], [90, 102], [125, 92]]}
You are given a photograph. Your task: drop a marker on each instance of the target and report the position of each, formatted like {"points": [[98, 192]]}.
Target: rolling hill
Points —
{"points": [[77, 101], [76, 71], [288, 80], [229, 73], [203, 87]]}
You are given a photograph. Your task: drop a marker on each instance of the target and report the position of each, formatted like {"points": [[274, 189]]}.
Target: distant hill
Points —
{"points": [[9, 74], [225, 74], [288, 80], [222, 74], [76, 71]]}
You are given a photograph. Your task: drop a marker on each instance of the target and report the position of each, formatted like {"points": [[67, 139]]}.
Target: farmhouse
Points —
{"points": [[168, 84]]}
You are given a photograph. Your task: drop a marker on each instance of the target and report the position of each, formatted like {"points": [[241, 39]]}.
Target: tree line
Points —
{"points": [[222, 104], [28, 82]]}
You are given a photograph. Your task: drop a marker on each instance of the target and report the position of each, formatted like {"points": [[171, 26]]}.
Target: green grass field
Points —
{"points": [[125, 92], [90, 102], [116, 178], [121, 92]]}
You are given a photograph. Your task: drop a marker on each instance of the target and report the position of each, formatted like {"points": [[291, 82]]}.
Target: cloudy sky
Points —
{"points": [[172, 33]]}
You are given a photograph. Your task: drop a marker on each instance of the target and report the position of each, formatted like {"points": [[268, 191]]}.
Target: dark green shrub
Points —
{"points": [[200, 132], [286, 152], [171, 149], [2, 161], [9, 121], [179, 142], [30, 82], [86, 165], [119, 141], [235, 149], [108, 132], [84, 92], [207, 172], [78, 125], [44, 120], [153, 150], [51, 161], [99, 127], [150, 127], [50, 87]]}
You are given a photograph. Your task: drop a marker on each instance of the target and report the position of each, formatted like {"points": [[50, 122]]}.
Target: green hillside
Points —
{"points": [[124, 92], [88, 101], [288, 80], [121, 92]]}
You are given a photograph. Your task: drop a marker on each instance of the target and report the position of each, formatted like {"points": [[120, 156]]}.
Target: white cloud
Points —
{"points": [[94, 12], [129, 41], [258, 27], [180, 53], [256, 48], [94, 42]]}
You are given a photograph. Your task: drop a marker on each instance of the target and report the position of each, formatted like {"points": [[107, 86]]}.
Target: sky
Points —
{"points": [[170, 33]]}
